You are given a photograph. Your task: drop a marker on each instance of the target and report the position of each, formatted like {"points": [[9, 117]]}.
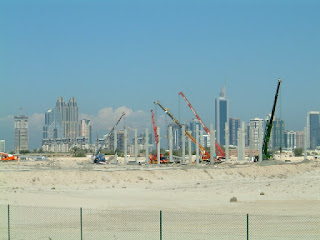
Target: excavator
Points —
{"points": [[98, 157], [154, 158], [267, 132], [205, 155], [220, 154], [8, 157]]}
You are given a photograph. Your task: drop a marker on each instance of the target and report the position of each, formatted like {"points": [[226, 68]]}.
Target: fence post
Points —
{"points": [[247, 226], [8, 222], [160, 225], [81, 223]]}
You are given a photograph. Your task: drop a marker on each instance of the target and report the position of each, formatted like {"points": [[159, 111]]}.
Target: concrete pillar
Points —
{"points": [[201, 137], [183, 138], [135, 145], [250, 143], [189, 148], [170, 144], [147, 146], [260, 141], [197, 144], [243, 141], [227, 140], [158, 148], [125, 146], [115, 146], [212, 144]]}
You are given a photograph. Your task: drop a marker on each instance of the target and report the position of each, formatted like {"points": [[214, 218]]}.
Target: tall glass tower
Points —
{"points": [[21, 133], [221, 116], [313, 129]]}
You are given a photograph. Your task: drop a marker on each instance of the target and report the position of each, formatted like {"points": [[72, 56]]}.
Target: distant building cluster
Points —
{"points": [[62, 129]]}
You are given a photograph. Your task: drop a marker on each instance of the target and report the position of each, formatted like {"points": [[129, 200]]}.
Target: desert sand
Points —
{"points": [[270, 187]]}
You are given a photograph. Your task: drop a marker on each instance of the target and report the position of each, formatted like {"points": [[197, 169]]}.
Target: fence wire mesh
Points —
{"points": [[24, 223]]}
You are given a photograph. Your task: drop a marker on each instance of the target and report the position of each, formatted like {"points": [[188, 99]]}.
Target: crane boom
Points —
{"points": [[115, 125], [156, 138], [219, 150], [269, 125], [205, 154]]}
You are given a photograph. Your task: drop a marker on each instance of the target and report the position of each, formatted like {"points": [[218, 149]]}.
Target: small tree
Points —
{"points": [[298, 152]]}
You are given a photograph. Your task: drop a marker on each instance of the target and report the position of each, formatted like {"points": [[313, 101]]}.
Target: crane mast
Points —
{"points": [[219, 150], [205, 154], [156, 138], [269, 125]]}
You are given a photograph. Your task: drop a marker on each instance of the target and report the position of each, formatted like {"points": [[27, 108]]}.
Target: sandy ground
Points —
{"points": [[270, 187]]}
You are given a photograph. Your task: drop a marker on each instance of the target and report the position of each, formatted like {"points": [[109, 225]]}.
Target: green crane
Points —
{"points": [[269, 124]]}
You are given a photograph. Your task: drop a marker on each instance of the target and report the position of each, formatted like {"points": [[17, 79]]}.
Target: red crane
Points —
{"points": [[219, 151], [156, 138], [154, 158]]}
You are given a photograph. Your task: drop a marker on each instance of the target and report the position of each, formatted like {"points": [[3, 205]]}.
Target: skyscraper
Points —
{"points": [[277, 135], [313, 129], [53, 128], [290, 140], [234, 124], [2, 145], [86, 130], [21, 133], [221, 116], [255, 128]]}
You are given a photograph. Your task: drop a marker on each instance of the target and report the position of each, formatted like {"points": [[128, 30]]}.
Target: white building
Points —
{"points": [[255, 126], [2, 145]]}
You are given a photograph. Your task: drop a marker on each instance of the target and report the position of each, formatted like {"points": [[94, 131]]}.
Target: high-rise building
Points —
{"points": [[53, 128], [86, 130], [62, 127], [290, 140], [277, 134], [72, 119], [221, 116], [193, 126], [176, 136], [300, 139], [313, 130], [2, 145], [21, 133], [255, 126], [234, 125]]}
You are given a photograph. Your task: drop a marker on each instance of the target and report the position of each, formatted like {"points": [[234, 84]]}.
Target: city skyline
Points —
{"points": [[123, 56]]}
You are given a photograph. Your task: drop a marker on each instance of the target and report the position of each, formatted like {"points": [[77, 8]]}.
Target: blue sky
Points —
{"points": [[115, 55]]}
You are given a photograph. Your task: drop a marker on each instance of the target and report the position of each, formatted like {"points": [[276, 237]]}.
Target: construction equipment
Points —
{"points": [[219, 152], [98, 157], [269, 124], [8, 157], [154, 158], [205, 155]]}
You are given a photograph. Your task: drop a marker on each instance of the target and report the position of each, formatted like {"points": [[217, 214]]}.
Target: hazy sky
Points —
{"points": [[115, 56]]}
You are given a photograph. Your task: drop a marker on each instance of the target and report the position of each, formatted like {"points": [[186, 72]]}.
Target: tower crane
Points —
{"points": [[204, 153], [269, 124], [219, 151]]}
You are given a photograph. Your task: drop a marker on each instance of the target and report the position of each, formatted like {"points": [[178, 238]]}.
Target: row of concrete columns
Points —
{"points": [[241, 145]]}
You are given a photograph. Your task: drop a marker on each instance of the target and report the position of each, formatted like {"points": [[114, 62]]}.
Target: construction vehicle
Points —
{"points": [[8, 157], [269, 124], [204, 154], [220, 154], [98, 157], [154, 158]]}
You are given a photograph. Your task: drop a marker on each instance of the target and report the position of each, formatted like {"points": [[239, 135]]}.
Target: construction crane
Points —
{"points": [[154, 158], [98, 157], [269, 124], [204, 153], [219, 152]]}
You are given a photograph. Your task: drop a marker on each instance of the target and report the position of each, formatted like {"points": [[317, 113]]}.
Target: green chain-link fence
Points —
{"points": [[22, 223]]}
